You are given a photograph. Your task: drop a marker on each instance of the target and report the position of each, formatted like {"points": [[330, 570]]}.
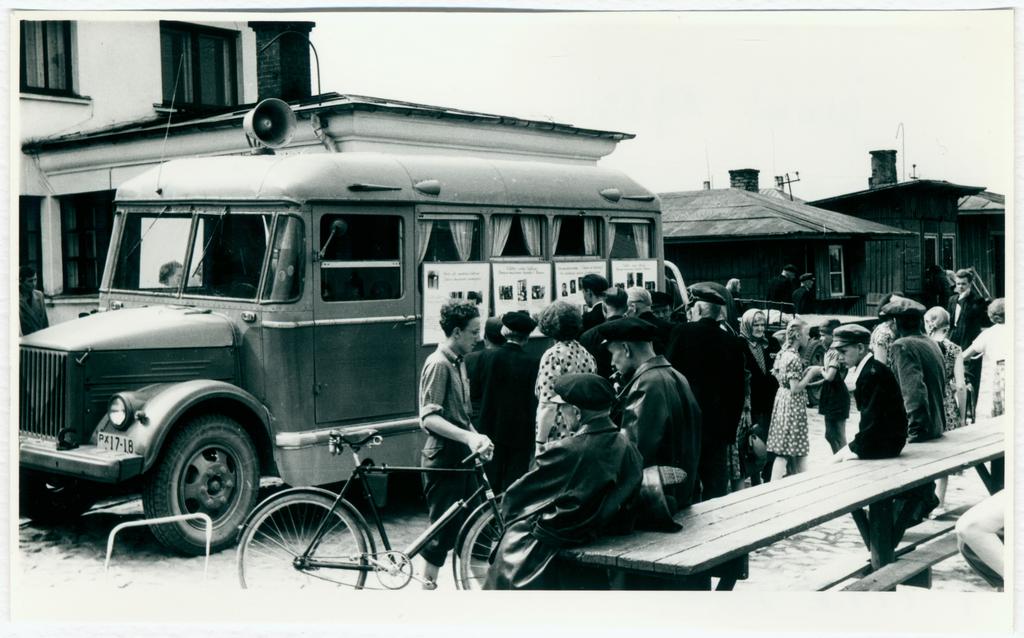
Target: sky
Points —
{"points": [[782, 92]]}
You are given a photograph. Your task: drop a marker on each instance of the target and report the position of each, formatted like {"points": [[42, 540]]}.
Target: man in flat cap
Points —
{"points": [[578, 487], [656, 407], [505, 378], [782, 287], [712, 361], [594, 289], [803, 298], [883, 420], [917, 363], [616, 304]]}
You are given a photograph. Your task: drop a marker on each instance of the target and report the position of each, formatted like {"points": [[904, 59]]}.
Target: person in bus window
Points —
{"points": [[170, 274]]}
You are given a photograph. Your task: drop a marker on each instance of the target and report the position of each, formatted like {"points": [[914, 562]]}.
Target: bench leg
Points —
{"points": [[992, 478], [924, 579], [860, 517], [882, 536]]}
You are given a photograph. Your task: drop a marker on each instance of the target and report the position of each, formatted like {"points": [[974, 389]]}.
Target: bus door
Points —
{"points": [[365, 322]]}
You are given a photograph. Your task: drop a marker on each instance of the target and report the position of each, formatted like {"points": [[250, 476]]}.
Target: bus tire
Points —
{"points": [[209, 466]]}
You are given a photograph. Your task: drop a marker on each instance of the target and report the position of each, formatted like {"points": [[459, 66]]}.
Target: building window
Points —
{"points": [[455, 238], [517, 236], [361, 257], [931, 250], [573, 235], [836, 271], [198, 65], [85, 230], [949, 252], [30, 242], [46, 57], [631, 239]]}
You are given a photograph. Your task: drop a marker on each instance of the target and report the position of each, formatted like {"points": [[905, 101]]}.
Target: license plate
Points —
{"points": [[115, 442]]}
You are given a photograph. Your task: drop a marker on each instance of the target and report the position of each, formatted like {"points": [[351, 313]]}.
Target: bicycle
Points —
{"points": [[318, 537]]}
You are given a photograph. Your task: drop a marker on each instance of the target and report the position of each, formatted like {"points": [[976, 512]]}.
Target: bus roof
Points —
{"points": [[364, 176]]}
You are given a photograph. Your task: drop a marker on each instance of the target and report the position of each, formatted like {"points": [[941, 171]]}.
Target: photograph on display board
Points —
{"points": [[569, 278], [627, 273], [444, 282], [521, 286]]}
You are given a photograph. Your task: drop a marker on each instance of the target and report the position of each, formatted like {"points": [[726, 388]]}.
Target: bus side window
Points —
{"points": [[284, 279], [361, 257]]}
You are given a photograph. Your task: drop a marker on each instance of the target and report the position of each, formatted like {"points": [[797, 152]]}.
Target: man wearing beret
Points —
{"points": [[883, 420], [578, 487], [713, 363], [505, 378], [656, 407], [594, 289], [803, 299]]}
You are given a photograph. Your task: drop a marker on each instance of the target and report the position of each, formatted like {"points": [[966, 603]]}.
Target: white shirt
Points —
{"points": [[853, 375]]}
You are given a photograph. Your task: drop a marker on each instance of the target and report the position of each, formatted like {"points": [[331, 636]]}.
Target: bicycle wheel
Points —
{"points": [[281, 529], [483, 531]]}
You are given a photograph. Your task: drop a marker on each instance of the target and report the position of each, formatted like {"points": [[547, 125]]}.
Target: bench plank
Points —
{"points": [[908, 566]]}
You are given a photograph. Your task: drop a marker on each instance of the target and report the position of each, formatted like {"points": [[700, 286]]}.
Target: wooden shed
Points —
{"points": [[981, 238]]}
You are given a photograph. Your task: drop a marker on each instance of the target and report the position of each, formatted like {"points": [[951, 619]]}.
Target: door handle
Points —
{"points": [[248, 316], [409, 320]]}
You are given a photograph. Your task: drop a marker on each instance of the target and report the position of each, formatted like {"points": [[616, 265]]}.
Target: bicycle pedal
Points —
{"points": [[671, 475], [430, 585]]}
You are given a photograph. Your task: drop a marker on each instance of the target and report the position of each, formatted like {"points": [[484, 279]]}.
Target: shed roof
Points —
{"points": [[327, 103], [983, 203], [914, 184], [731, 214], [780, 194]]}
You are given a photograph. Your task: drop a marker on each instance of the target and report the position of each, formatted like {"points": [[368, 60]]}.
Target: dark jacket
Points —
{"points": [[33, 313], [660, 342], [763, 384], [973, 318], [917, 363], [781, 289], [579, 487], [506, 377], [593, 317], [803, 301], [659, 413], [713, 364], [883, 420], [594, 343]]}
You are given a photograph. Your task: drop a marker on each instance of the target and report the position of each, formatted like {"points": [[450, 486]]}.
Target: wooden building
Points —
{"points": [[925, 207], [981, 238], [715, 235]]}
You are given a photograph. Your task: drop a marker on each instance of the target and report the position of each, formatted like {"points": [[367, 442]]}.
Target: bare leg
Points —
{"points": [[779, 467], [736, 485], [799, 464], [941, 485], [835, 434], [979, 527]]}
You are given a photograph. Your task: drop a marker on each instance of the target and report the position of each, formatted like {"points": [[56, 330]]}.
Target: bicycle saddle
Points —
{"points": [[358, 437]]}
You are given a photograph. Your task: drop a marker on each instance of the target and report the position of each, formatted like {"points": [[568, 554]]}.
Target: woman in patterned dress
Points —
{"points": [[883, 334], [787, 435], [936, 324], [562, 322]]}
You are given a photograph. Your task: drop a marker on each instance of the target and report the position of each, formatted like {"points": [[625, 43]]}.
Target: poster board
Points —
{"points": [[569, 278], [443, 281], [521, 286], [627, 273]]}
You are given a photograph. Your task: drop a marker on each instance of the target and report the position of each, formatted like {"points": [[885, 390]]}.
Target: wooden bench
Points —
{"points": [[728, 528]]}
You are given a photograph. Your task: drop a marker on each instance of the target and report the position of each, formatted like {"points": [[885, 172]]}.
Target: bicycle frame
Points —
{"points": [[358, 475]]}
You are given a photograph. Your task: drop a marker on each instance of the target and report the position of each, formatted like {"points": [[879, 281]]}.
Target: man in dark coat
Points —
{"points": [[713, 363], [579, 487], [803, 298], [594, 289], [656, 407], [641, 303], [968, 316], [506, 377], [492, 339], [616, 302], [782, 287], [883, 419], [917, 363]]}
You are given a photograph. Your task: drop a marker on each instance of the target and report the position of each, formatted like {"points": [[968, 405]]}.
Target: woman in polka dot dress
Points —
{"points": [[562, 322], [787, 434]]}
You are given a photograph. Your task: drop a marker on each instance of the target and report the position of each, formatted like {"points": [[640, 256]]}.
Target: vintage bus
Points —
{"points": [[250, 304]]}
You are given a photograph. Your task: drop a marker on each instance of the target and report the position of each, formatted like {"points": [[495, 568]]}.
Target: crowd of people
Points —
{"points": [[632, 392]]}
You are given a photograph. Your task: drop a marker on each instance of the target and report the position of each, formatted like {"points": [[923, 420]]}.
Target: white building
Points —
{"points": [[102, 101]]}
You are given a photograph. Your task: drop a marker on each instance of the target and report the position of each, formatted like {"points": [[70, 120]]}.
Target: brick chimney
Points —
{"points": [[883, 169], [744, 179], [282, 68]]}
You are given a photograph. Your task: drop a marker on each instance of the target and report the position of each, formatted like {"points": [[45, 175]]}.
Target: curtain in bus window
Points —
{"points": [[556, 230], [642, 239], [423, 239], [531, 226], [462, 235], [501, 226], [590, 230]]}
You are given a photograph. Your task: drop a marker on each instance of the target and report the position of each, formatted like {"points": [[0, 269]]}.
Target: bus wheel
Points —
{"points": [[54, 499], [209, 466]]}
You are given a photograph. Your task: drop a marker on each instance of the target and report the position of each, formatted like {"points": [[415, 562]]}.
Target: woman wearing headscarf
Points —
{"points": [[787, 434], [760, 355]]}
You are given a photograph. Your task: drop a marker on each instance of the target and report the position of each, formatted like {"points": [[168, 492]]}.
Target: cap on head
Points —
{"points": [[627, 329], [519, 321], [586, 391], [850, 334], [698, 293], [807, 277], [660, 298], [902, 307], [791, 268]]}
